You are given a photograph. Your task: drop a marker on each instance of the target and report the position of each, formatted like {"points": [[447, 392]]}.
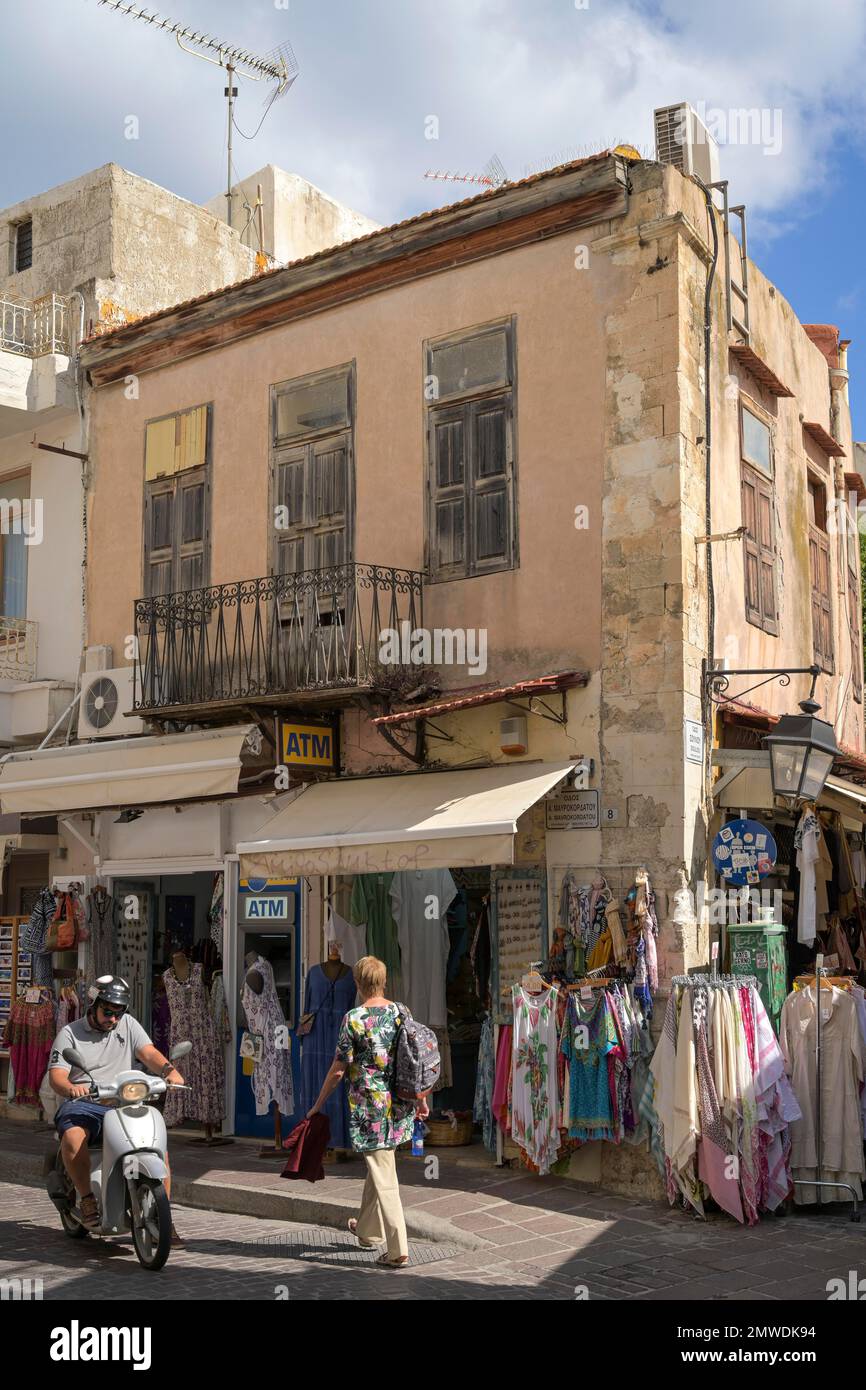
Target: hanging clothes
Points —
{"points": [[502, 1078], [101, 915], [29, 1032], [843, 1067], [420, 900], [32, 938], [352, 940], [370, 907], [216, 913], [272, 1077], [481, 954], [482, 1109], [589, 1036], [534, 1101], [331, 999], [202, 1069], [219, 1010]]}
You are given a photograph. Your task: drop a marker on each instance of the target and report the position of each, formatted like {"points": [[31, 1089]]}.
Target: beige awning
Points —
{"points": [[429, 820], [124, 772], [752, 788]]}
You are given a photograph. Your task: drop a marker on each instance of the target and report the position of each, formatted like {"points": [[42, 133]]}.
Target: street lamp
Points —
{"points": [[802, 749]]}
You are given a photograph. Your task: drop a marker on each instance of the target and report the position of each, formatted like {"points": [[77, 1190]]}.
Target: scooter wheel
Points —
{"points": [[151, 1234]]}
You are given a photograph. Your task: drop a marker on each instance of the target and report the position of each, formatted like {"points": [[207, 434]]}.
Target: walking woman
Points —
{"points": [[378, 1121]]}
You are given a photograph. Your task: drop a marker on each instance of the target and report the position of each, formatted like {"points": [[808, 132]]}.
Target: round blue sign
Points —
{"points": [[744, 852]]}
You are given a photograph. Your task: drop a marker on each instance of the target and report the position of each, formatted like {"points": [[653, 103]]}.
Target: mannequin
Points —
{"points": [[329, 994], [255, 982]]}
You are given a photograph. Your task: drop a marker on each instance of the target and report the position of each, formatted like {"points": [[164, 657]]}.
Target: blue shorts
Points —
{"points": [[81, 1114]]}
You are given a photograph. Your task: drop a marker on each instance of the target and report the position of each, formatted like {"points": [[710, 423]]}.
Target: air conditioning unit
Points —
{"points": [[105, 698], [683, 140]]}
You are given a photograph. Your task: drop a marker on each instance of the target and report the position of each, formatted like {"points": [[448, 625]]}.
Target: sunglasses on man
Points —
{"points": [[111, 1012]]}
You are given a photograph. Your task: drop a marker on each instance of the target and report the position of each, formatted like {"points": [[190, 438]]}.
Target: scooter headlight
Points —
{"points": [[134, 1090]]}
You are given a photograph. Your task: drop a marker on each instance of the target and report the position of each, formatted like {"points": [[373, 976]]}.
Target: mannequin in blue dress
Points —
{"points": [[330, 992]]}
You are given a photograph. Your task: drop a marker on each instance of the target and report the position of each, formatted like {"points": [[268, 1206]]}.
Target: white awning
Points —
{"points": [[429, 820], [124, 772]]}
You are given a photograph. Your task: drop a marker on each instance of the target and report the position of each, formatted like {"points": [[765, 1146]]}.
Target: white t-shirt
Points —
{"points": [[352, 939], [420, 898]]}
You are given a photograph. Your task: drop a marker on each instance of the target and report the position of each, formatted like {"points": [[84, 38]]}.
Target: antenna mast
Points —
{"points": [[277, 66]]}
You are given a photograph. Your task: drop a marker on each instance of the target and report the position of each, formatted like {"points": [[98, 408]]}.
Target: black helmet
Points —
{"points": [[111, 989]]}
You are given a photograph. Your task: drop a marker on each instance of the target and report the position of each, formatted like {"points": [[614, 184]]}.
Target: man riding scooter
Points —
{"points": [[109, 1040]]}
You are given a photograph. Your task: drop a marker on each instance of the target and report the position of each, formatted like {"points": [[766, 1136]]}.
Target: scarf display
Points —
{"points": [[719, 1102]]}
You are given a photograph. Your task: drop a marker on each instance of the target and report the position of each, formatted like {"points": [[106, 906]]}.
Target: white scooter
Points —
{"points": [[128, 1170]]}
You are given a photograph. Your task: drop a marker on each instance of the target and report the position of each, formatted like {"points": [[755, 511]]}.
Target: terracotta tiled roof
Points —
{"points": [[825, 336], [564, 680], [848, 763], [824, 439], [419, 218], [759, 369]]}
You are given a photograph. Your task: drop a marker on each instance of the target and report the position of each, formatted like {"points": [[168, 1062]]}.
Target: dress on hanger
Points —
{"points": [[272, 1076], [534, 1102], [101, 920], [202, 1069], [331, 1000]]}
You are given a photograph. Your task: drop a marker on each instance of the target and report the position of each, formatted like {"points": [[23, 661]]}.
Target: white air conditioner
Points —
{"points": [[105, 698], [683, 140]]}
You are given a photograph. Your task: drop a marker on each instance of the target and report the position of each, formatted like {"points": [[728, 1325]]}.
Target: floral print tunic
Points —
{"points": [[534, 1101], [366, 1043]]}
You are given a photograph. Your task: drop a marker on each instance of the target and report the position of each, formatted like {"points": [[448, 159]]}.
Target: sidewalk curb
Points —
{"points": [[236, 1199]]}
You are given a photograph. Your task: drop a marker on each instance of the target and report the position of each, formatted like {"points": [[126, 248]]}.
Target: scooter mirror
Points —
{"points": [[74, 1058], [180, 1051]]}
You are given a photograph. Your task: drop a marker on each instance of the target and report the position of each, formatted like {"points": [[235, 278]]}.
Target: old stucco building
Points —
{"points": [[503, 408]]}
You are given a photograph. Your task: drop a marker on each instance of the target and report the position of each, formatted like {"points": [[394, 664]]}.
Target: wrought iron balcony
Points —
{"points": [[35, 327], [257, 640], [17, 649]]}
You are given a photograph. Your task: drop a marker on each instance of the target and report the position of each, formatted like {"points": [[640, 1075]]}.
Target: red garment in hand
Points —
{"points": [[306, 1145]]}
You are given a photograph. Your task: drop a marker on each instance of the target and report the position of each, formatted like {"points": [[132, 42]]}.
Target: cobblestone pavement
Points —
{"points": [[610, 1250]]}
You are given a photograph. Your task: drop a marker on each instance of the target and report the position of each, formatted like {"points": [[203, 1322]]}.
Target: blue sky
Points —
{"points": [[529, 80]]}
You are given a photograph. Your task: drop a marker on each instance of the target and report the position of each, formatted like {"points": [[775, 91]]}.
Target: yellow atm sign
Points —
{"points": [[307, 745]]}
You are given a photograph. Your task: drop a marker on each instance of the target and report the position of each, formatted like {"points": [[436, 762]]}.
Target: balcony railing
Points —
{"points": [[320, 630], [35, 327], [17, 649]]}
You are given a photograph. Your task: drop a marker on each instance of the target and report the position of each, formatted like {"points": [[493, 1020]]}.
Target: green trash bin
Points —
{"points": [[761, 949]]}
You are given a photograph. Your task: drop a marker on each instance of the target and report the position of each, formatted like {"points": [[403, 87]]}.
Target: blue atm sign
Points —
{"points": [[265, 907]]}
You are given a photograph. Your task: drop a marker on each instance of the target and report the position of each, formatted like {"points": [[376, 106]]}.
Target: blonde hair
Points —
{"points": [[370, 974]]}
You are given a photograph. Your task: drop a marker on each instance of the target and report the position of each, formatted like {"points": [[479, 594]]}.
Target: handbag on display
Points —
{"points": [[305, 1026], [62, 934]]}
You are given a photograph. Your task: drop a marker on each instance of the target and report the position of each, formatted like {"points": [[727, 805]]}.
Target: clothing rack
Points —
{"points": [[818, 1181]]}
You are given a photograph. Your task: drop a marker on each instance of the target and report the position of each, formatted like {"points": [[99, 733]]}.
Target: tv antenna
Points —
{"points": [[494, 175], [279, 66]]}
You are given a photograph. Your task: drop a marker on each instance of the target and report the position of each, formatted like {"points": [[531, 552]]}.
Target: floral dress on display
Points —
{"points": [[534, 1099], [366, 1043]]}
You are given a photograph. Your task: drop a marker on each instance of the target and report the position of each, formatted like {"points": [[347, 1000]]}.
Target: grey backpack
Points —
{"points": [[416, 1058]]}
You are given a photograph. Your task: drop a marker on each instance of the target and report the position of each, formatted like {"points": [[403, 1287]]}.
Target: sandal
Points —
{"points": [[387, 1263], [89, 1210], [364, 1244]]}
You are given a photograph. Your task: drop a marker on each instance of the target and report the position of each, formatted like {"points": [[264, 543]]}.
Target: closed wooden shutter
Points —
{"points": [[759, 550], [449, 436], [312, 484], [854, 609], [491, 490], [822, 621]]}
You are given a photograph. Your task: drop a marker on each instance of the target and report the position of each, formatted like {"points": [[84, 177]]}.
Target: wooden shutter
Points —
{"points": [[759, 550], [313, 483], [191, 530], [822, 620], [290, 492], [449, 437], [854, 606], [491, 485], [751, 552], [159, 524]]}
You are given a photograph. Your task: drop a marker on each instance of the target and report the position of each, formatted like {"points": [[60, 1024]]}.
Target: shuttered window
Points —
{"points": [[759, 550], [855, 601], [176, 502], [819, 570], [311, 467], [471, 464]]}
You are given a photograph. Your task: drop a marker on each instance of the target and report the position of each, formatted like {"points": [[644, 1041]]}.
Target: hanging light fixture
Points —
{"points": [[802, 749]]}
